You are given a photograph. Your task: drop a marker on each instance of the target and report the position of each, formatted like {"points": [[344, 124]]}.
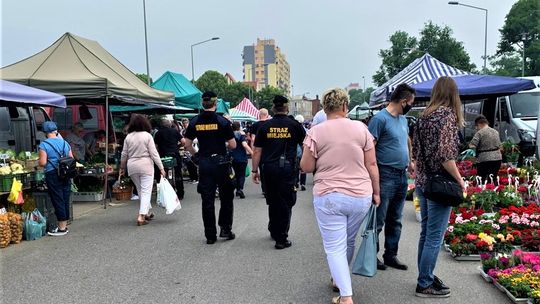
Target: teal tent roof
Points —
{"points": [[185, 93]]}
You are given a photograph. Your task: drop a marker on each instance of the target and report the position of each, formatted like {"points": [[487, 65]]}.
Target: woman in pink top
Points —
{"points": [[341, 154], [139, 155]]}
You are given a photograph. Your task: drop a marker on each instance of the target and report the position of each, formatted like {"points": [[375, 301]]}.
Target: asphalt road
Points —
{"points": [[106, 258]]}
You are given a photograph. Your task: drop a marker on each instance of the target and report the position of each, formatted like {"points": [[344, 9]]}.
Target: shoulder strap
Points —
{"points": [[54, 148]]}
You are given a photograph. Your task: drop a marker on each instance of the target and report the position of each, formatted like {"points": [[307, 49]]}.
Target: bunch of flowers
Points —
{"points": [[534, 295], [519, 280], [470, 233], [466, 169], [508, 196], [520, 217], [498, 260]]}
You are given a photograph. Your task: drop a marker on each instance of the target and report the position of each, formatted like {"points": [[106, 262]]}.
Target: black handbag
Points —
{"points": [[441, 187]]}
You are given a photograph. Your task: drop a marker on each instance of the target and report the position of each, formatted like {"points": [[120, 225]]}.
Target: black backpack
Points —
{"points": [[67, 166]]}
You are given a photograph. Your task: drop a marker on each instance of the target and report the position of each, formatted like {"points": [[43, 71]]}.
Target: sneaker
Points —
{"points": [[228, 235], [240, 194], [439, 284], [283, 245], [302, 188], [431, 292], [134, 197], [194, 182], [57, 232]]}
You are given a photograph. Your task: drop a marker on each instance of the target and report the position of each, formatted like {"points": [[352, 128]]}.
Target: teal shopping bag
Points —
{"points": [[365, 263]]}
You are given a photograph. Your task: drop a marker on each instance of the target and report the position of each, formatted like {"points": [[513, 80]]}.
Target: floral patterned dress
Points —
{"points": [[435, 141]]}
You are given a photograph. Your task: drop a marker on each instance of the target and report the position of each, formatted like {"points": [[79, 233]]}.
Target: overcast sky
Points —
{"points": [[327, 43]]}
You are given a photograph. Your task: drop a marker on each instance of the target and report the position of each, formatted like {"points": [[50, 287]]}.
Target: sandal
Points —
{"points": [[149, 216], [334, 286], [336, 300], [142, 223]]}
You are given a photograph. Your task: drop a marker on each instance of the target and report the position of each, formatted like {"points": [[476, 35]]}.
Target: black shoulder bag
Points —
{"points": [[67, 166], [441, 187]]}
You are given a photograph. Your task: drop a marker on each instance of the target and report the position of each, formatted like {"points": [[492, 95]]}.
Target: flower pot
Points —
{"points": [[484, 275]]}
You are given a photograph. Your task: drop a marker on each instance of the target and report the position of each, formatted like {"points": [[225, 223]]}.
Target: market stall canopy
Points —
{"points": [[359, 112], [222, 106], [185, 93], [241, 115], [479, 86], [422, 69], [248, 107], [153, 109], [14, 92], [81, 68]]}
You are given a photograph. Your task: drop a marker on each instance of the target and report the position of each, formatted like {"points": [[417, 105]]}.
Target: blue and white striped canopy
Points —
{"points": [[422, 69]]}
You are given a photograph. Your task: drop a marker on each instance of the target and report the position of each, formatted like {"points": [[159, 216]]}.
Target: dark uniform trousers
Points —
{"points": [[280, 197], [211, 175]]}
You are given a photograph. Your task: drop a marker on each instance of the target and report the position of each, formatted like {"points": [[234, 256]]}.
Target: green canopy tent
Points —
{"points": [[222, 108], [185, 93]]}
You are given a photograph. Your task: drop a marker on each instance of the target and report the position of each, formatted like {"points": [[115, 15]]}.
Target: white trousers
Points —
{"points": [[339, 217], [144, 184]]}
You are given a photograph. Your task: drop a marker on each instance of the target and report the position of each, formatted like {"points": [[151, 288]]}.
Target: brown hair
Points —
{"points": [[236, 126], [445, 94], [139, 123], [481, 119]]}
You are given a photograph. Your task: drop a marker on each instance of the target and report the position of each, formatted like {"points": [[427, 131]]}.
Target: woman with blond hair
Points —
{"points": [[346, 182], [435, 149]]}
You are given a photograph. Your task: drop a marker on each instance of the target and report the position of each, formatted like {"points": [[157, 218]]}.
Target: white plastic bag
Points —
{"points": [[167, 197]]}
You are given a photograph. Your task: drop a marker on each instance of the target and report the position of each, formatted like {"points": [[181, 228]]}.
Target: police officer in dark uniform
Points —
{"points": [[213, 133], [275, 151]]}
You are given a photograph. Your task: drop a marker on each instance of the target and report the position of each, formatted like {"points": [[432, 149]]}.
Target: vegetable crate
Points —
{"points": [[168, 162], [45, 206], [87, 196], [5, 182]]}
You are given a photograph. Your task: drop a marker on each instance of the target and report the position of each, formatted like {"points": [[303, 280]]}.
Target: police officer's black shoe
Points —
{"points": [[283, 245], [228, 235], [210, 241], [240, 193]]}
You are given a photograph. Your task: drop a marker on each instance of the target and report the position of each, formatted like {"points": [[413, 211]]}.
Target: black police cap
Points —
{"points": [[279, 100]]}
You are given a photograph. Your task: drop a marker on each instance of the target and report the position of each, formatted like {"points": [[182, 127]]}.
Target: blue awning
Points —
{"points": [[479, 86], [14, 92]]}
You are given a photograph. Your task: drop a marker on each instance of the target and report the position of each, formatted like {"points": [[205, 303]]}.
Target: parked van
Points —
{"points": [[514, 116], [21, 127], [91, 116]]}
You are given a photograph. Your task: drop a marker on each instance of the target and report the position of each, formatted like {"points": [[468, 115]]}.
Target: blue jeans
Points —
{"points": [[434, 222], [393, 184], [59, 191]]}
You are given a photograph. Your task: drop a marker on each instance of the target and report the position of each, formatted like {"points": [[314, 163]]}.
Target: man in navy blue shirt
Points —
{"points": [[392, 146]]}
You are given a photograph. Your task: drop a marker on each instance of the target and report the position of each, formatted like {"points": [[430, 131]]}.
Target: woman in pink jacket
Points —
{"points": [[139, 155]]}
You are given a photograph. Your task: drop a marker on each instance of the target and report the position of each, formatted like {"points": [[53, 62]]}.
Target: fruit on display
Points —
{"points": [[16, 227], [6, 170], [5, 231]]}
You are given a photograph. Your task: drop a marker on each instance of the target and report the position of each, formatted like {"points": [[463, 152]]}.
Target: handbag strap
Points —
{"points": [[371, 224]]}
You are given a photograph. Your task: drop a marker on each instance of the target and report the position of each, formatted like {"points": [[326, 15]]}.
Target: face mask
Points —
{"points": [[406, 108]]}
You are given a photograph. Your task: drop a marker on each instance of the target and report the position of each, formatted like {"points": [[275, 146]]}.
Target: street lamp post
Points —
{"points": [[192, 68], [485, 28], [364, 89], [146, 44]]}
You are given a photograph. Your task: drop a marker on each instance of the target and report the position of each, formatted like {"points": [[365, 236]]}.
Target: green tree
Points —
{"points": [[212, 81], [434, 39], [439, 43], [395, 58], [264, 97], [358, 97], [522, 28], [506, 65], [144, 78], [234, 93]]}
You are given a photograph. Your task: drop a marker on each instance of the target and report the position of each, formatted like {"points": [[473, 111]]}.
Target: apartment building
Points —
{"points": [[265, 64]]}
